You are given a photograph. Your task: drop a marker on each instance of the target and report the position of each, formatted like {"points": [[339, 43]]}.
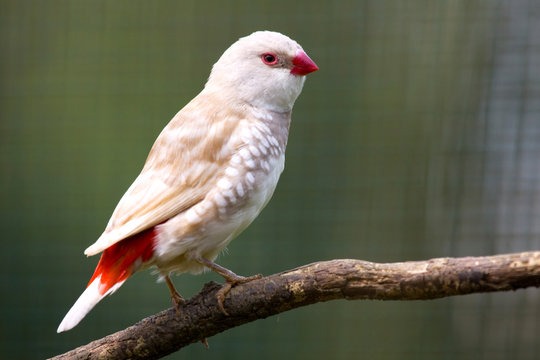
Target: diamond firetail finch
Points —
{"points": [[209, 173]]}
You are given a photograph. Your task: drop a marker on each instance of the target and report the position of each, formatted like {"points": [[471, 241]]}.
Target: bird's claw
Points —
{"points": [[226, 288], [176, 298], [177, 301], [221, 296]]}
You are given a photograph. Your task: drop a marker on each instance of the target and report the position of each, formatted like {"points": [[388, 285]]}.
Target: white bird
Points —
{"points": [[209, 173]]}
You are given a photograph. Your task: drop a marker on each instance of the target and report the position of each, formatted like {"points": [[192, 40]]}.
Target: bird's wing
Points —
{"points": [[182, 167]]}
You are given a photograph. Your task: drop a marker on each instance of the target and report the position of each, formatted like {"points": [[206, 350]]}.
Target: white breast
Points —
{"points": [[246, 186]]}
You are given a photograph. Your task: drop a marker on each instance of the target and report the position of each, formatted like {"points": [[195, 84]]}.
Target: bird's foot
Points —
{"points": [[176, 298], [231, 280], [177, 301], [226, 288]]}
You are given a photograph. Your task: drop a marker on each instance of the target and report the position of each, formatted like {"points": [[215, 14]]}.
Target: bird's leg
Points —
{"points": [[176, 298], [178, 301], [231, 279]]}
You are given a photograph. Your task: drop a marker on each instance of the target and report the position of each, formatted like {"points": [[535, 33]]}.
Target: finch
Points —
{"points": [[208, 175]]}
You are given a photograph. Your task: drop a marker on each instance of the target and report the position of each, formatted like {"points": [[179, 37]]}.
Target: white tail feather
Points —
{"points": [[86, 302]]}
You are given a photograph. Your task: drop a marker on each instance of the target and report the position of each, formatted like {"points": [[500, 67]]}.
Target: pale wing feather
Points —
{"points": [[148, 202], [181, 168]]}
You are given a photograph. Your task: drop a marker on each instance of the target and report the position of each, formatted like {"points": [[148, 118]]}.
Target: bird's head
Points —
{"points": [[265, 69]]}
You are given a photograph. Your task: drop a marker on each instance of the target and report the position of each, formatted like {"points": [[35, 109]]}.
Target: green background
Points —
{"points": [[419, 137]]}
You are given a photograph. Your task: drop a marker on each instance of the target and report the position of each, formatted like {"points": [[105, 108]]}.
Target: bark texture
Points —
{"points": [[200, 318]]}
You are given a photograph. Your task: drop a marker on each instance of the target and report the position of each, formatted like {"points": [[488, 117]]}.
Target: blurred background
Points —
{"points": [[418, 138]]}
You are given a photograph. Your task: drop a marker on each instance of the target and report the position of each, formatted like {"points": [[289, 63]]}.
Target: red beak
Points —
{"points": [[303, 65]]}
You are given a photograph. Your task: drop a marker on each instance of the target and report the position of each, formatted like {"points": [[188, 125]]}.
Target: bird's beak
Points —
{"points": [[302, 64]]}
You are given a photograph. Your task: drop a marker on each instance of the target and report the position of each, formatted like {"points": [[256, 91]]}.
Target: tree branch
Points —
{"points": [[169, 331]]}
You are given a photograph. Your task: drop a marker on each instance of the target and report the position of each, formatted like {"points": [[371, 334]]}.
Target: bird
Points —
{"points": [[208, 175]]}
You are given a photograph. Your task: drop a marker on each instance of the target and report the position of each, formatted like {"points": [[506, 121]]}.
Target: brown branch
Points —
{"points": [[169, 331]]}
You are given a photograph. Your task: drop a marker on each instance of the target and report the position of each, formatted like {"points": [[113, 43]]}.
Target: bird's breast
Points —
{"points": [[245, 185], [252, 173]]}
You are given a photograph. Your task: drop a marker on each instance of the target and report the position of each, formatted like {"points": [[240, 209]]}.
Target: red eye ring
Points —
{"points": [[269, 59]]}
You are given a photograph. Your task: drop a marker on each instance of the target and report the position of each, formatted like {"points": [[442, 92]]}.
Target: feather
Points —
{"points": [[210, 171], [116, 264], [86, 302], [173, 181]]}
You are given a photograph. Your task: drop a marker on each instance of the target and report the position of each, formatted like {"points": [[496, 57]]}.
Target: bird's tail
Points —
{"points": [[117, 263]]}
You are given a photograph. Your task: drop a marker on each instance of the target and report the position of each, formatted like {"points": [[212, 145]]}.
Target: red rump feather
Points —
{"points": [[122, 259]]}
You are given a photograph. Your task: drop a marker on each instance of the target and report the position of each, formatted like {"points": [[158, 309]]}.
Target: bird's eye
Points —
{"points": [[269, 59]]}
